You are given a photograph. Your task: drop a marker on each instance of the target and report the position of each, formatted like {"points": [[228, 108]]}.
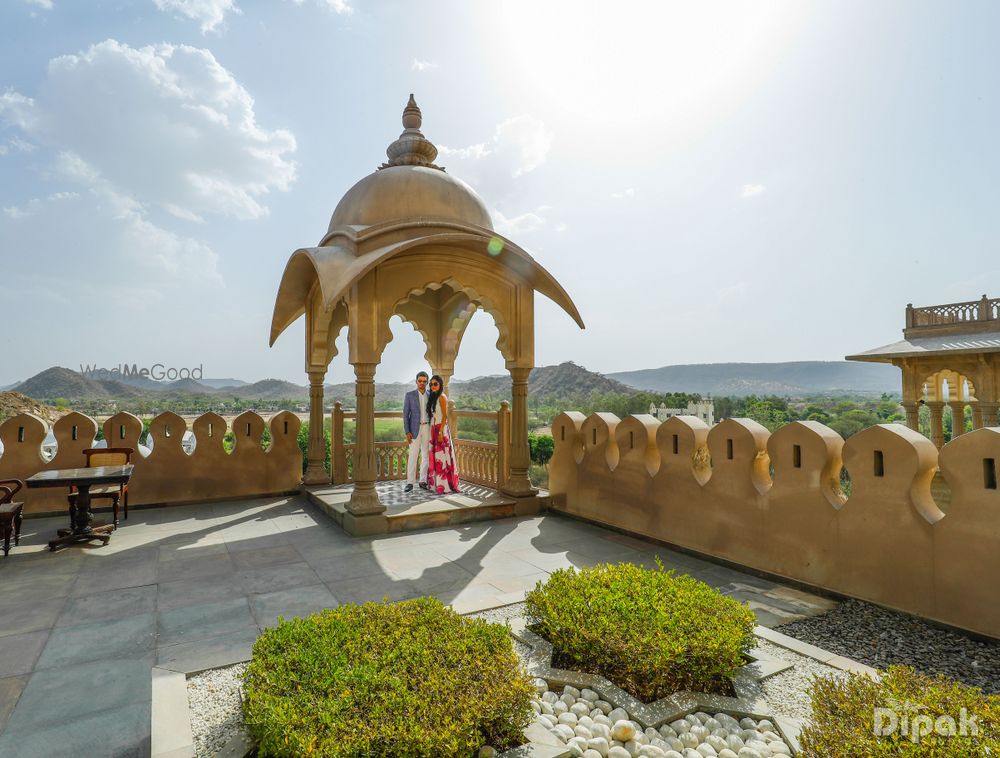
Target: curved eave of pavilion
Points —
{"points": [[336, 268]]}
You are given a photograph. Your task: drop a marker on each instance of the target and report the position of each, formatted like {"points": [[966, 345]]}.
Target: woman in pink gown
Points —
{"points": [[442, 473]]}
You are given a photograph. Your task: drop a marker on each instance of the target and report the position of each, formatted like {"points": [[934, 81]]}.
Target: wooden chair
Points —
{"points": [[107, 456], [10, 512]]}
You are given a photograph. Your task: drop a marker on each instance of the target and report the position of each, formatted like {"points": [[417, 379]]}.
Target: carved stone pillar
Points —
{"points": [[912, 414], [989, 414], [937, 422], [364, 500], [977, 416], [957, 418], [316, 456], [518, 484]]}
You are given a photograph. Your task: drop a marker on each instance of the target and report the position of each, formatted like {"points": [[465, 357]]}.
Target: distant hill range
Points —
{"points": [[566, 379], [13, 403], [796, 378]]}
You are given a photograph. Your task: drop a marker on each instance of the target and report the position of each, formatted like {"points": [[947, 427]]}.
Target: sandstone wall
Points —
{"points": [[774, 502], [167, 475]]}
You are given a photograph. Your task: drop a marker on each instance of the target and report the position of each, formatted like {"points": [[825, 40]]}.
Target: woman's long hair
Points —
{"points": [[432, 396]]}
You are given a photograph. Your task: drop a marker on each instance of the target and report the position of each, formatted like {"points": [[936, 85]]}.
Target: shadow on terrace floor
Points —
{"points": [[193, 585]]}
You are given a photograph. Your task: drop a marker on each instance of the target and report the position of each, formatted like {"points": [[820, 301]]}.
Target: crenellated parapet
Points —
{"points": [[165, 473], [775, 502]]}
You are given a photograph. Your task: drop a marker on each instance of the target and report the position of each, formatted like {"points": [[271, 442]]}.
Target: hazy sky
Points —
{"points": [[743, 181]]}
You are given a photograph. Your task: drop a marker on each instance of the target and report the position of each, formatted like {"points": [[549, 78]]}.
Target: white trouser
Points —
{"points": [[420, 444]]}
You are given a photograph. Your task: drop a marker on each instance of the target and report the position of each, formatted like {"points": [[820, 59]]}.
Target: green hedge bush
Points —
{"points": [[648, 631], [843, 719], [396, 679]]}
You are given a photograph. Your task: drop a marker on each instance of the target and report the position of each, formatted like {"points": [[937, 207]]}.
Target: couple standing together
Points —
{"points": [[425, 421]]}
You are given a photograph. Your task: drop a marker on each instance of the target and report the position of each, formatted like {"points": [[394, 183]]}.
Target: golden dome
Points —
{"points": [[410, 186]]}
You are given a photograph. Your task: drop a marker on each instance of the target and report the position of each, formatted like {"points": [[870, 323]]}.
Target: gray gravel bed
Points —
{"points": [[788, 692], [880, 638], [215, 704]]}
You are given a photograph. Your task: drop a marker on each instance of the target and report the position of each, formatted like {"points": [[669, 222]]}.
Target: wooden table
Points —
{"points": [[81, 529]]}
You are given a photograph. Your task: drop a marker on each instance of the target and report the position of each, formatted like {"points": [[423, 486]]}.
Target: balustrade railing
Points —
{"points": [[972, 313], [478, 461]]}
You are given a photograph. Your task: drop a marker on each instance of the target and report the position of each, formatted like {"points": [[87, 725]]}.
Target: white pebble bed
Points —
{"points": [[592, 728], [788, 692], [216, 708]]}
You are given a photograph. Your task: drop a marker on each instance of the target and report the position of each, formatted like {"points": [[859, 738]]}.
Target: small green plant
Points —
{"points": [[903, 713], [385, 679], [648, 631]]}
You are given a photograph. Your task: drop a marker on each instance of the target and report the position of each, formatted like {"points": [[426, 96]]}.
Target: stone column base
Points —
{"points": [[527, 505], [365, 526], [316, 476]]}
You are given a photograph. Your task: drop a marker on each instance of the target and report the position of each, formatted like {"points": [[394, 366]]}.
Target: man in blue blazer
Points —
{"points": [[417, 428]]}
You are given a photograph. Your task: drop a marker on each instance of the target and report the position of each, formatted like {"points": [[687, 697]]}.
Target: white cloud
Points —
{"points": [[43, 4], [166, 124], [210, 13], [752, 190], [419, 65], [732, 291], [340, 7], [521, 224], [630, 192]]}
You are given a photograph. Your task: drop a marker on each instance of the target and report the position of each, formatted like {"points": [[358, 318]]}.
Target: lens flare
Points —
{"points": [[495, 246]]}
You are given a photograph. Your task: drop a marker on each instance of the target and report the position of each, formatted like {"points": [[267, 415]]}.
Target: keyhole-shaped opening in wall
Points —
{"points": [[248, 429], [562, 433], [121, 431], [166, 430], [286, 428], [631, 440], [677, 444], [879, 463], [729, 448], [797, 456], [209, 428], [76, 431], [595, 435], [20, 434]]}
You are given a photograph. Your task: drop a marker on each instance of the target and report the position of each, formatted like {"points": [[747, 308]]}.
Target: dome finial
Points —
{"points": [[412, 148], [411, 115]]}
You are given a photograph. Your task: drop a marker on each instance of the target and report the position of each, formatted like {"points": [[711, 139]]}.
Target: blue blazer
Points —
{"points": [[411, 413]]}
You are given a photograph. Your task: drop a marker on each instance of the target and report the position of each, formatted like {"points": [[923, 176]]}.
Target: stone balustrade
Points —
{"points": [[774, 502], [168, 474], [484, 463]]}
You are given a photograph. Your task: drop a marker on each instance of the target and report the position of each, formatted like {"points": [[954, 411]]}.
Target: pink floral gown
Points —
{"points": [[442, 473]]}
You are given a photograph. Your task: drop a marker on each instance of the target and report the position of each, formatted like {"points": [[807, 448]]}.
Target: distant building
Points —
{"points": [[703, 409]]}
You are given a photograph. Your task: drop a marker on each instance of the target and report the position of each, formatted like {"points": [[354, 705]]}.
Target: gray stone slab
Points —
{"points": [[130, 601], [188, 551], [119, 733], [10, 691], [42, 586], [115, 578], [237, 544], [193, 622], [170, 727], [273, 578], [171, 595], [58, 696], [372, 588], [130, 636], [209, 652], [350, 566], [291, 603], [270, 556], [18, 652], [206, 566], [29, 616]]}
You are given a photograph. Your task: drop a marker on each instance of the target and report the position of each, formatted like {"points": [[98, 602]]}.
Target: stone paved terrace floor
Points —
{"points": [[81, 629]]}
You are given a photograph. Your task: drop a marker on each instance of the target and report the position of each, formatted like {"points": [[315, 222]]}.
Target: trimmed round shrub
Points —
{"points": [[650, 632], [385, 679], [847, 712]]}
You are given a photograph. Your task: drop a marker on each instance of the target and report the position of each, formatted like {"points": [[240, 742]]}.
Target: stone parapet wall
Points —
{"points": [[168, 475], [774, 502]]}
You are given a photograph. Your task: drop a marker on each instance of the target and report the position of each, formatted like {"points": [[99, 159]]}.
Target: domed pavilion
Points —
{"points": [[414, 241]]}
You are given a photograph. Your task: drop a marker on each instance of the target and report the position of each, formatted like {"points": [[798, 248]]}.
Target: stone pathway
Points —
{"points": [[82, 628]]}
